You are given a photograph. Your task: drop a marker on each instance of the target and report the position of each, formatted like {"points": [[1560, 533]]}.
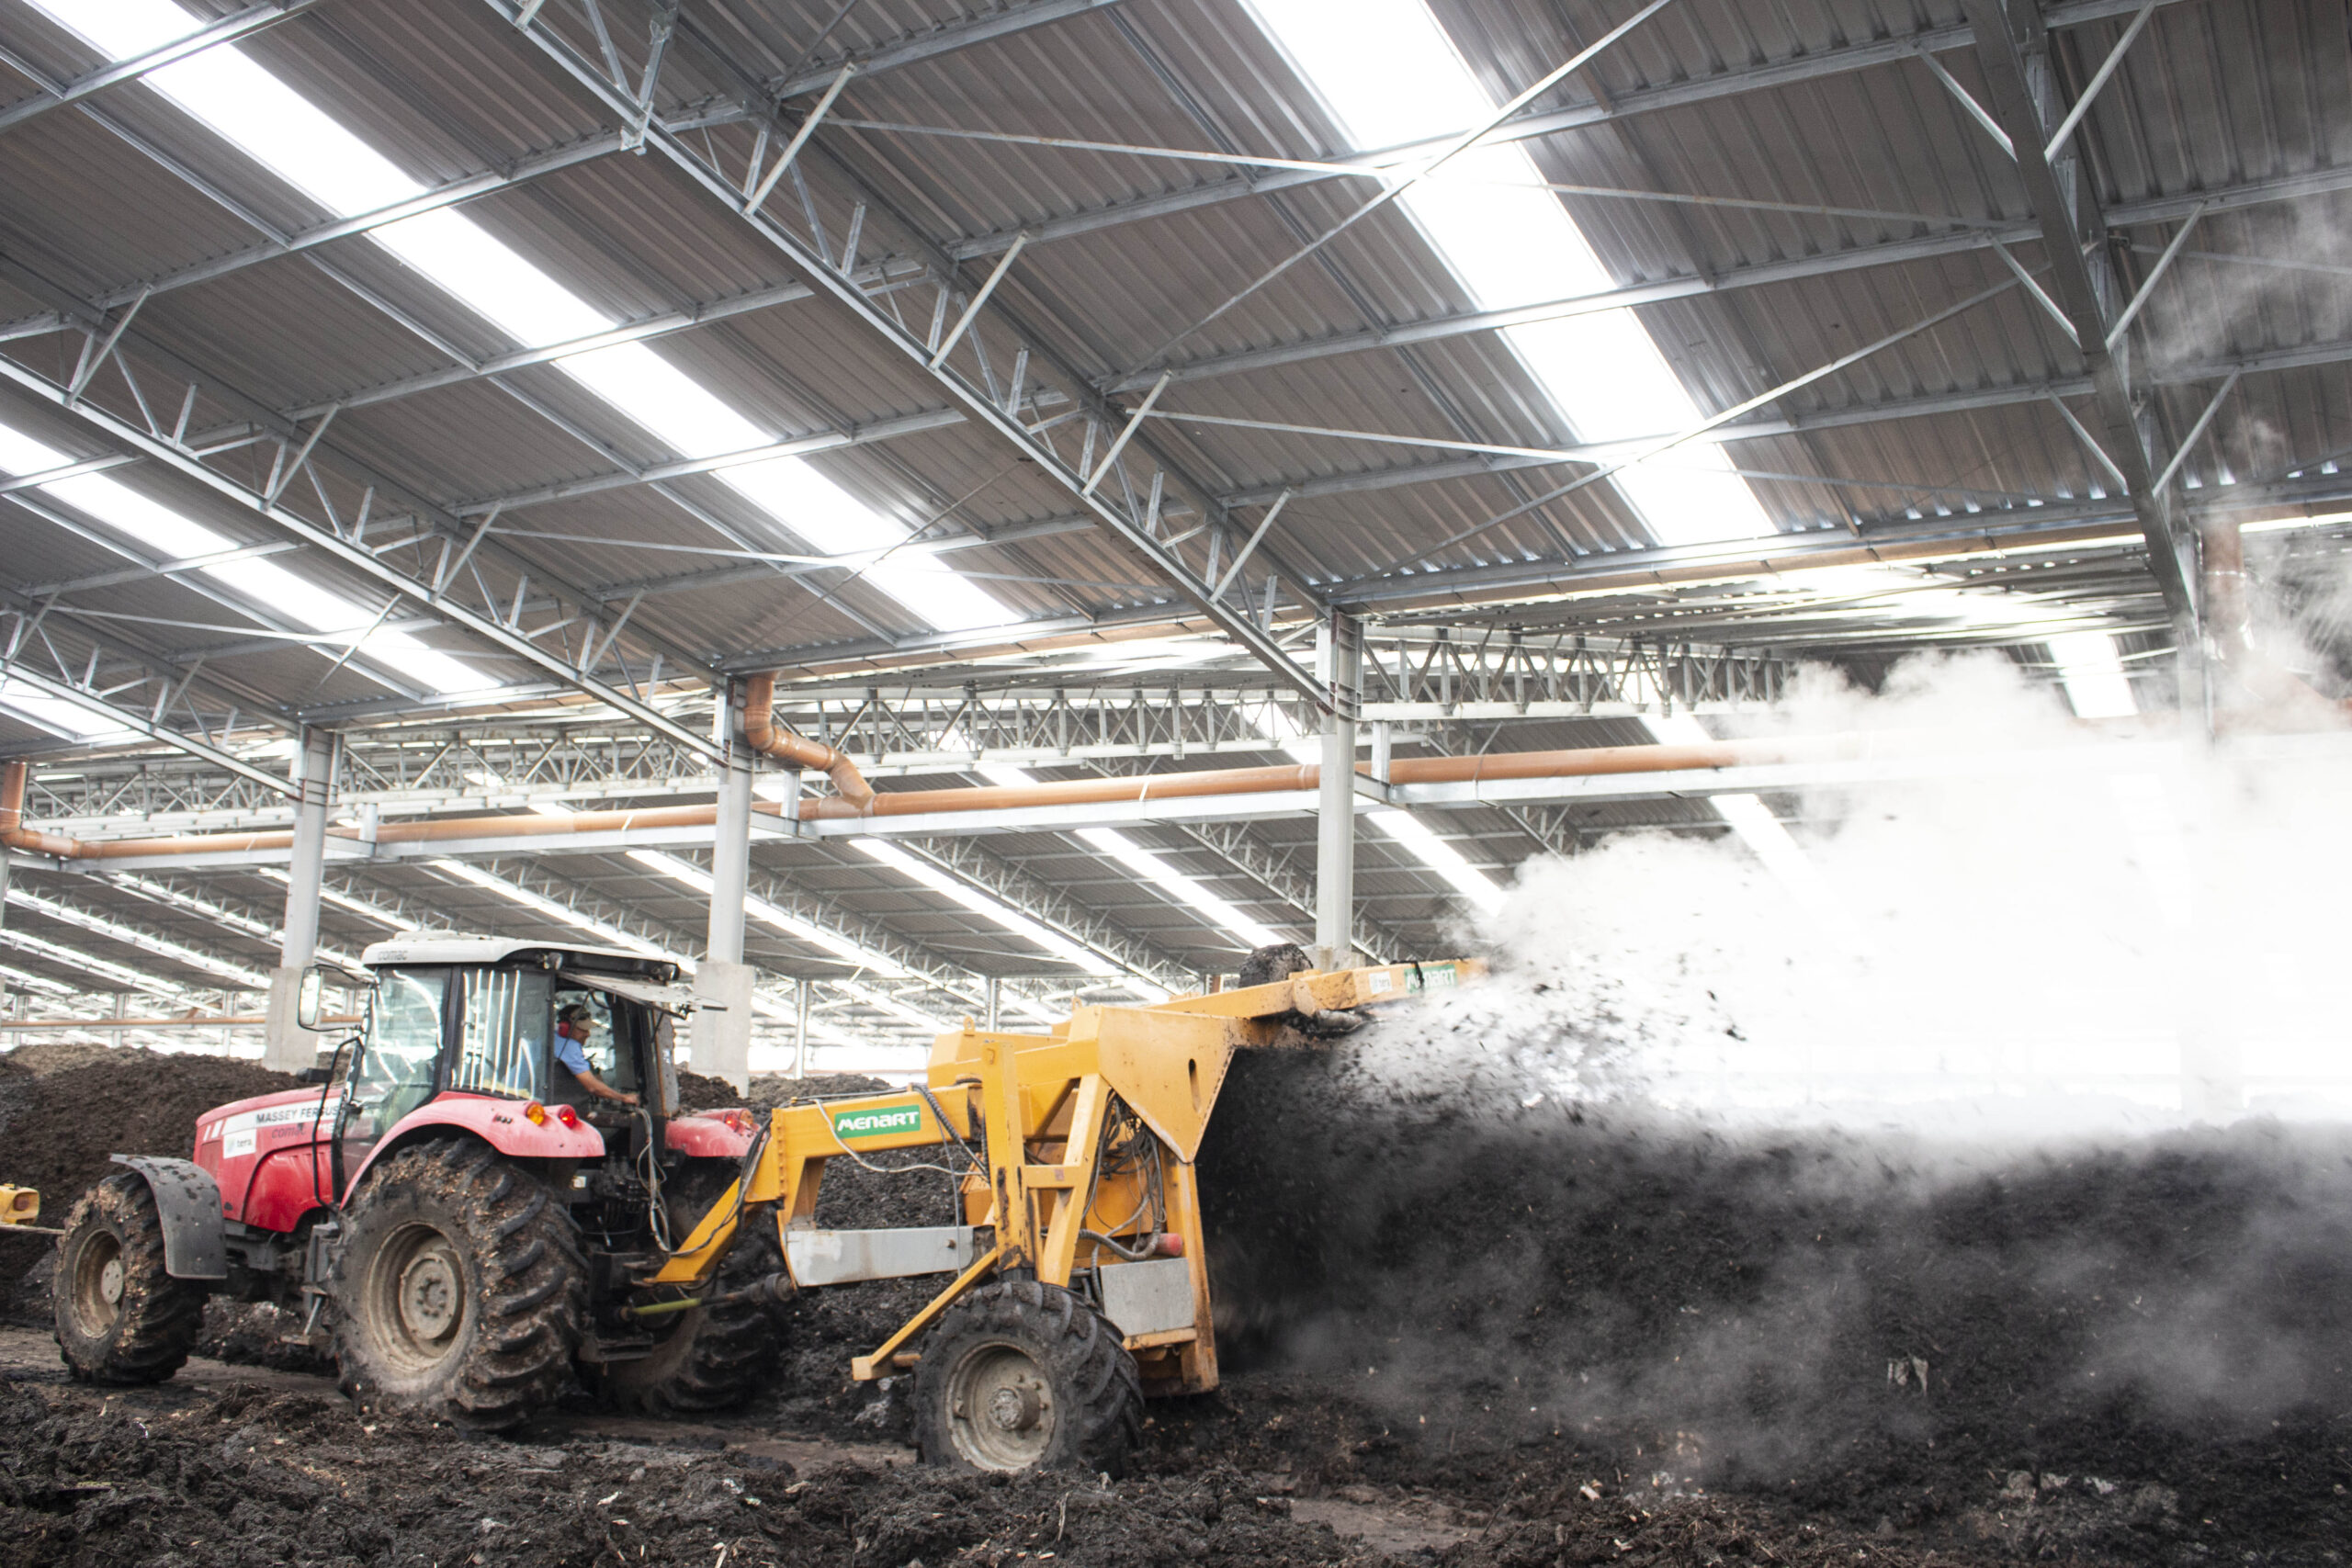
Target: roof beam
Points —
{"points": [[1663, 568], [1891, 253], [949, 37], [508, 638], [241, 24], [87, 697], [970, 861], [2068, 388], [2021, 80], [1775, 74], [389, 492], [983, 407]]}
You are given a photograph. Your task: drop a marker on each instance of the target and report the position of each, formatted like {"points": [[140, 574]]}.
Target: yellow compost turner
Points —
{"points": [[1076, 1147]]}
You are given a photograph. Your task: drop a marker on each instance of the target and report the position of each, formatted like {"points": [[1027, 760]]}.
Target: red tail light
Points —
{"points": [[1170, 1246], [740, 1120], [568, 1116]]}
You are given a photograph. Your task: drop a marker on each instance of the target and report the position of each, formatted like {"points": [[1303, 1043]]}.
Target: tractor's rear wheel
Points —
{"points": [[712, 1357], [458, 1289], [1024, 1376], [121, 1318]]}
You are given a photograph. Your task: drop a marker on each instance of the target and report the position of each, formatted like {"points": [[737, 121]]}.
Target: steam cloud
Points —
{"points": [[1910, 1189]]}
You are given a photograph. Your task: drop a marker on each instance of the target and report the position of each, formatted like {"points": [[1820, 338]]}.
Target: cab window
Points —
{"points": [[609, 1049], [402, 1045], [503, 1024]]}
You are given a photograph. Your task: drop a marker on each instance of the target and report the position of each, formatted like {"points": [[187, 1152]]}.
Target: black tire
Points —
{"points": [[120, 1319], [713, 1358], [1021, 1376], [458, 1289], [1277, 961]]}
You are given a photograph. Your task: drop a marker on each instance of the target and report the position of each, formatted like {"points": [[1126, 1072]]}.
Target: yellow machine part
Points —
{"points": [[1049, 1109], [19, 1206]]}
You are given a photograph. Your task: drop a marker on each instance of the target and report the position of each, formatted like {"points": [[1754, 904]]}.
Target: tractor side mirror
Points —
{"points": [[308, 998]]}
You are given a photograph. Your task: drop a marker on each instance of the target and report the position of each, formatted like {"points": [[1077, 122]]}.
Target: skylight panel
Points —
{"points": [[295, 140], [1434, 852], [1222, 914], [1391, 74], [1413, 836], [56, 714], [771, 915], [2093, 675], [175, 537], [491, 883], [979, 903]]}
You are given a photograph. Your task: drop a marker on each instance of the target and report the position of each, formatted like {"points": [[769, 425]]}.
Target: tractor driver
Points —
{"points": [[574, 1027]]}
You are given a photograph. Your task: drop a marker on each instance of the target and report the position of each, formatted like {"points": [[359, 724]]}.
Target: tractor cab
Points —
{"points": [[474, 1018]]}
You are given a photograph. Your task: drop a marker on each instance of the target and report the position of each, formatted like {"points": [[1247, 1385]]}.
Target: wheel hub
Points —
{"points": [[1016, 1406], [430, 1296], [97, 1282], [1000, 1408], [413, 1299]]}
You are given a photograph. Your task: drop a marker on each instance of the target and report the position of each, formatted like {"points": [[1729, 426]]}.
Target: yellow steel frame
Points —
{"points": [[1042, 1102]]}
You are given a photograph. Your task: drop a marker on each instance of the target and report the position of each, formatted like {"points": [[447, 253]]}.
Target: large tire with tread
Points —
{"points": [[1021, 1376], [120, 1319], [460, 1289], [713, 1358]]}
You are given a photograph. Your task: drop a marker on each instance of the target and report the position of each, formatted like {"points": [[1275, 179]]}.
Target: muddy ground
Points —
{"points": [[1471, 1333]]}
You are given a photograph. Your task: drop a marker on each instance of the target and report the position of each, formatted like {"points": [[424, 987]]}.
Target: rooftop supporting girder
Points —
{"points": [[2021, 81], [1116, 507]]}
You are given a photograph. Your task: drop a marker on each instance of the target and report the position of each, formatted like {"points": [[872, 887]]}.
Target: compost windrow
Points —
{"points": [[2151, 1332]]}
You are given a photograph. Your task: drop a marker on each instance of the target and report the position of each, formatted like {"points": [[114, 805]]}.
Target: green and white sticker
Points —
{"points": [[876, 1122], [1432, 977]]}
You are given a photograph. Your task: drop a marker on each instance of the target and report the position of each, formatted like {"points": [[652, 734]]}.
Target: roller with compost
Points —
{"points": [[471, 1223]]}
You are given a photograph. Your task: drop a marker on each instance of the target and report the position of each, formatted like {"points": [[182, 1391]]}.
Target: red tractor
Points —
{"points": [[451, 1212]]}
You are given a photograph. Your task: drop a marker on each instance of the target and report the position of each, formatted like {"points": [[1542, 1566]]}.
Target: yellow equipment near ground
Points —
{"points": [[18, 1205], [1084, 1178]]}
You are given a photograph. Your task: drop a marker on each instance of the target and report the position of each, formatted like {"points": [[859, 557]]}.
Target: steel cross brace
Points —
{"points": [[967, 860], [237, 24], [918, 350], [168, 454], [1273, 871], [2013, 51]]}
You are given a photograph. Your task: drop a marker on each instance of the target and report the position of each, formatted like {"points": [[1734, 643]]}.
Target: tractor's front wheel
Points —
{"points": [[121, 1318], [459, 1288], [1021, 1376]]}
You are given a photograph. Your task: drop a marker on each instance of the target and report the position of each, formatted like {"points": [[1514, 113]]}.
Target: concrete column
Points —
{"points": [[1337, 643], [722, 1031], [800, 1028], [996, 999], [286, 1048]]}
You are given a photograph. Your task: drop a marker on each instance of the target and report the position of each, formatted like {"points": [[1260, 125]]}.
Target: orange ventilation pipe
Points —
{"points": [[14, 834], [1576, 762], [761, 730]]}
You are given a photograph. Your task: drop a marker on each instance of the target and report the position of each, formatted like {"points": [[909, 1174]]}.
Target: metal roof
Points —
{"points": [[1950, 456]]}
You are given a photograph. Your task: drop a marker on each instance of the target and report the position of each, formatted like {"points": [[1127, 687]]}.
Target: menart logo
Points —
{"points": [[876, 1122]]}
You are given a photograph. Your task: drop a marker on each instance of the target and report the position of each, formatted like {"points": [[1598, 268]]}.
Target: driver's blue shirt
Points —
{"points": [[568, 1052]]}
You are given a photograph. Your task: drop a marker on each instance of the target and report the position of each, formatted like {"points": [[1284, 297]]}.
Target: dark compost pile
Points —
{"points": [[2151, 1334], [1559, 1336]]}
